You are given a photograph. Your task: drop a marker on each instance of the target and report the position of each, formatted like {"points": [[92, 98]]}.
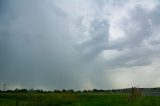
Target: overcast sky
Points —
{"points": [[79, 44]]}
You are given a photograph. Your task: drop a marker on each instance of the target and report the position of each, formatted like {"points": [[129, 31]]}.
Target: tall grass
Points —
{"points": [[68, 99]]}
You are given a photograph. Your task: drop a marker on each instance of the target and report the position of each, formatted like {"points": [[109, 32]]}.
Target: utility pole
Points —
{"points": [[4, 87]]}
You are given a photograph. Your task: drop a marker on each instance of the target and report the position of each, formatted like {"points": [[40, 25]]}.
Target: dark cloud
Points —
{"points": [[33, 45], [98, 40], [155, 15], [39, 43]]}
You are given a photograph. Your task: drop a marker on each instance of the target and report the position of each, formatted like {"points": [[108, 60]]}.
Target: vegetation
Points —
{"points": [[116, 97], [76, 99]]}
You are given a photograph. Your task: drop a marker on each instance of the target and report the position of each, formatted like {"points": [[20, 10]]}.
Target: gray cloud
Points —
{"points": [[139, 30], [34, 45], [45, 44], [98, 40]]}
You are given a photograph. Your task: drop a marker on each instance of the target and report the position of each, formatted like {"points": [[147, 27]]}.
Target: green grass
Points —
{"points": [[84, 99]]}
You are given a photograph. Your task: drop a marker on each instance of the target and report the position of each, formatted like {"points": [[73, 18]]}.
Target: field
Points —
{"points": [[73, 99]]}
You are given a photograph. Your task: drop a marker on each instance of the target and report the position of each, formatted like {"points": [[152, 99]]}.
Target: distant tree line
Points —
{"points": [[126, 90], [64, 91]]}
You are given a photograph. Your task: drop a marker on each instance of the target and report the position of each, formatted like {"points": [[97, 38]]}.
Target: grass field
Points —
{"points": [[68, 99]]}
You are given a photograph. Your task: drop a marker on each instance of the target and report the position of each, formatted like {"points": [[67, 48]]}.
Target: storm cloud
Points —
{"points": [[79, 44]]}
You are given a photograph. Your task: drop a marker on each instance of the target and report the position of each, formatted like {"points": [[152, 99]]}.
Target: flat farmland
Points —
{"points": [[76, 99]]}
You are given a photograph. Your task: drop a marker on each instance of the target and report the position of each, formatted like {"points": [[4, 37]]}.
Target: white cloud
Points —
{"points": [[109, 55], [139, 76]]}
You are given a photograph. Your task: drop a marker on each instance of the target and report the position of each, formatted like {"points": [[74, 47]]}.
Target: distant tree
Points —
{"points": [[37, 90], [9, 91], [31, 90], [113, 90], [41, 90], [57, 91], [95, 90], [16, 90], [101, 90], [84, 91], [64, 90], [20, 90], [78, 92], [24, 90], [71, 90]]}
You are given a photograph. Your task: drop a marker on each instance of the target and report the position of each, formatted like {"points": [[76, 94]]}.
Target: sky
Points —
{"points": [[79, 44]]}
